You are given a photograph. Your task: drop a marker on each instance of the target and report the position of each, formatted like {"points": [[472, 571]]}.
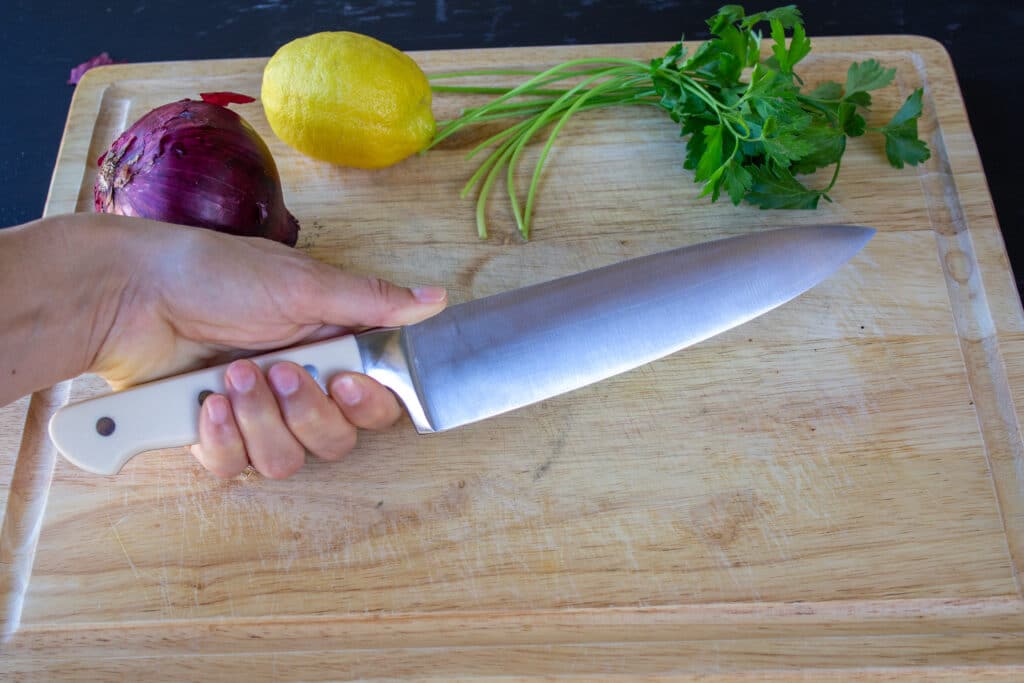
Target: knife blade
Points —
{"points": [[492, 355]]}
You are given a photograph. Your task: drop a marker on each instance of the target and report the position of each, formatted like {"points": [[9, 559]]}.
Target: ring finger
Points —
{"points": [[311, 416]]}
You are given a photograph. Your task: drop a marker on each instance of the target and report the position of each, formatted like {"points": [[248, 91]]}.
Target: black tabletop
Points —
{"points": [[42, 41]]}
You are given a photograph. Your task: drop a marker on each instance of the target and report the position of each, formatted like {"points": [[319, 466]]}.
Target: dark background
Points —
{"points": [[41, 42]]}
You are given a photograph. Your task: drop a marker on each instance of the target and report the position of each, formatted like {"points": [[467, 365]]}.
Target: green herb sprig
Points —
{"points": [[751, 129]]}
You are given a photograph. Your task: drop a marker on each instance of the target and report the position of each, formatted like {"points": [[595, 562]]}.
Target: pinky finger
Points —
{"points": [[220, 449]]}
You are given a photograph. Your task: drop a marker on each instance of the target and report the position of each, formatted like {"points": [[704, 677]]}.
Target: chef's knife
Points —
{"points": [[488, 356]]}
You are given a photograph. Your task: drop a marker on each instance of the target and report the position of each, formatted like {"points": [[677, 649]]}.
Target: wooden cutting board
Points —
{"points": [[833, 491]]}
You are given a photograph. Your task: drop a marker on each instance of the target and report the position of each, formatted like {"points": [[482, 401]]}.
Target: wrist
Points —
{"points": [[63, 278]]}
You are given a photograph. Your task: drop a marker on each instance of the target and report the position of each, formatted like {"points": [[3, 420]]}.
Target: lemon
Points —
{"points": [[348, 99]]}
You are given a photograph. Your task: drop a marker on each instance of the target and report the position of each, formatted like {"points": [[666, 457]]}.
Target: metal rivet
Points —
{"points": [[313, 372], [105, 426], [203, 395]]}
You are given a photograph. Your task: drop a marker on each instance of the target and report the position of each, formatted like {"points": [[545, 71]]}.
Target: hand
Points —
{"points": [[195, 297]]}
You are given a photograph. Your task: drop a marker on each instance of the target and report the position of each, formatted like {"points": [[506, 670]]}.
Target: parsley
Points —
{"points": [[751, 128]]}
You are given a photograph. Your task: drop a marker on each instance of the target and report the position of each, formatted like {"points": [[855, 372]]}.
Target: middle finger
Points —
{"points": [[272, 449]]}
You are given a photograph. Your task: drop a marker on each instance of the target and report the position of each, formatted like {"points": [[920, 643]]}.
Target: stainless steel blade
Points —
{"points": [[495, 354]]}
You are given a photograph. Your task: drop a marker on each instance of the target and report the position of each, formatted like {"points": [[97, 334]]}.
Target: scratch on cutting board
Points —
{"points": [[659, 584], [124, 549], [165, 591], [468, 574], [285, 561], [771, 537], [575, 594], [749, 585], [627, 542], [181, 546], [752, 582], [697, 585], [794, 483], [552, 545]]}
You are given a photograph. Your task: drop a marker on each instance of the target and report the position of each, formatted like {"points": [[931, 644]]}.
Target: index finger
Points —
{"points": [[341, 298]]}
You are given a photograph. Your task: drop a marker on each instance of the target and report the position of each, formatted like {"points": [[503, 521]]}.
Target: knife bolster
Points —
{"points": [[386, 359]]}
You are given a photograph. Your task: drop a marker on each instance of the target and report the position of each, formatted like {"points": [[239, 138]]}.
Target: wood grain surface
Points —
{"points": [[833, 491]]}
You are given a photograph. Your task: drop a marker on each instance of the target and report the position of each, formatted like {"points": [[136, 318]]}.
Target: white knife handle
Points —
{"points": [[101, 434]]}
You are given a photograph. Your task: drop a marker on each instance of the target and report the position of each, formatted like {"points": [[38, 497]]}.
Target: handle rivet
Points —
{"points": [[105, 426], [203, 395], [313, 372]]}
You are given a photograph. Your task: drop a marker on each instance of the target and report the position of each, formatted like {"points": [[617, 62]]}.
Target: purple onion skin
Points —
{"points": [[199, 164]]}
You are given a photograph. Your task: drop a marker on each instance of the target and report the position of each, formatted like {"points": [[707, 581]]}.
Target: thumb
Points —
{"points": [[349, 300]]}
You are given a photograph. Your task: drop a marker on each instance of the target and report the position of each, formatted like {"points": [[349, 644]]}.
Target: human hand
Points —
{"points": [[194, 297]]}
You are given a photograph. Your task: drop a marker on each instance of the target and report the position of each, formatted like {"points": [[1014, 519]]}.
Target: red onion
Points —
{"points": [[199, 164]]}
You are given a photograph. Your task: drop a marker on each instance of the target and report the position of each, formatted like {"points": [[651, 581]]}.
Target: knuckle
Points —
{"points": [[379, 287], [340, 446], [284, 464], [382, 412], [220, 464], [383, 293], [213, 462], [306, 421], [225, 470]]}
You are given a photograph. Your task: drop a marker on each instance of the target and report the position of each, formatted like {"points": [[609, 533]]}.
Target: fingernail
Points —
{"points": [[429, 295], [216, 409], [284, 379], [241, 376], [348, 390]]}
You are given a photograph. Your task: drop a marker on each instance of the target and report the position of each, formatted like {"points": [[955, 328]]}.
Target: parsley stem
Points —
{"points": [[493, 140], [526, 87], [602, 102], [576, 105], [835, 176], [485, 72], [515, 109], [488, 90], [481, 204], [539, 121], [491, 166], [820, 105]]}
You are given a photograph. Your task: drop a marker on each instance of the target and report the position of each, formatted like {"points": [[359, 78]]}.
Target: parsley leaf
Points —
{"points": [[868, 75], [799, 46], [829, 90], [789, 146], [852, 123], [902, 145], [726, 16], [737, 181], [788, 15], [711, 156], [828, 145], [695, 146], [776, 188]]}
